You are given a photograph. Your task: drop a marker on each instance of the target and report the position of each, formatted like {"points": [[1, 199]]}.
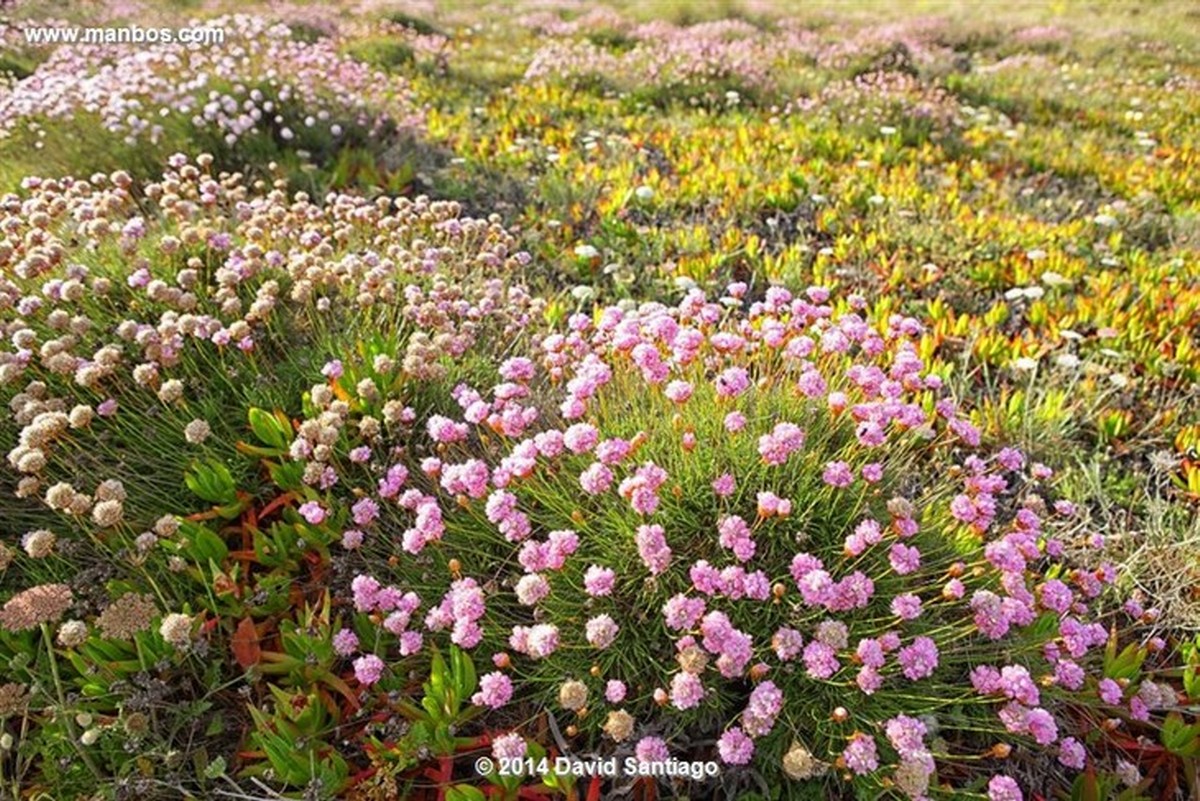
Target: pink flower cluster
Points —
{"points": [[877, 601], [460, 611], [396, 606]]}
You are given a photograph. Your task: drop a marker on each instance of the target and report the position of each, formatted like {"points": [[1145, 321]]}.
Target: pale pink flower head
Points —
{"points": [[313, 512]]}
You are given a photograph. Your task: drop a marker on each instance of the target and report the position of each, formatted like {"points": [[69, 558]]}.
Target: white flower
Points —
{"points": [[197, 431], [108, 513], [887, 130], [1128, 772], [72, 633], [1051, 278], [583, 292], [573, 695], [1119, 380], [1024, 363], [39, 544], [176, 629], [644, 193], [1105, 220], [1037, 254], [171, 391], [1068, 361], [586, 252]]}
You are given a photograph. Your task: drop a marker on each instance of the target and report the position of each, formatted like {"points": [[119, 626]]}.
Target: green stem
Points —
{"points": [[62, 703]]}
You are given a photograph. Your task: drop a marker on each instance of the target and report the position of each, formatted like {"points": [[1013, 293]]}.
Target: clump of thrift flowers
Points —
{"points": [[762, 513]]}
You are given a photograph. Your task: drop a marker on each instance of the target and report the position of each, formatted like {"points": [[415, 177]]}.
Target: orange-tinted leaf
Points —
{"points": [[245, 644]]}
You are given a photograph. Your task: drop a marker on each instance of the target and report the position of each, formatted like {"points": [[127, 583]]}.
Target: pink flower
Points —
{"points": [[313, 512], [495, 690], [732, 382], [735, 747], [678, 391], [368, 669], [1016, 683], [614, 691], [724, 485], [1004, 788], [461, 609], [870, 653], [581, 438], [1072, 754], [820, 660], [687, 691], [517, 369], [596, 479], [787, 644], [509, 746], [1110, 692], [601, 631], [777, 446], [652, 750], [536, 642], [735, 422], [364, 512], [1010, 459], [920, 659], [734, 535], [766, 701], [444, 430], [598, 581], [1041, 726], [838, 474], [861, 756], [904, 559], [641, 489], [532, 588], [906, 607], [990, 615], [652, 547], [770, 505], [868, 679], [682, 612], [612, 451], [345, 642], [549, 443], [907, 736]]}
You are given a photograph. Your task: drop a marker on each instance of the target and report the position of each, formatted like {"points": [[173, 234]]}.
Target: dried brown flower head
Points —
{"points": [[45, 603], [126, 616], [12, 699]]}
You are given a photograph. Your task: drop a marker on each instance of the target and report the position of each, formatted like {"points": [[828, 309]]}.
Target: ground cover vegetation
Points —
{"points": [[811, 391]]}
